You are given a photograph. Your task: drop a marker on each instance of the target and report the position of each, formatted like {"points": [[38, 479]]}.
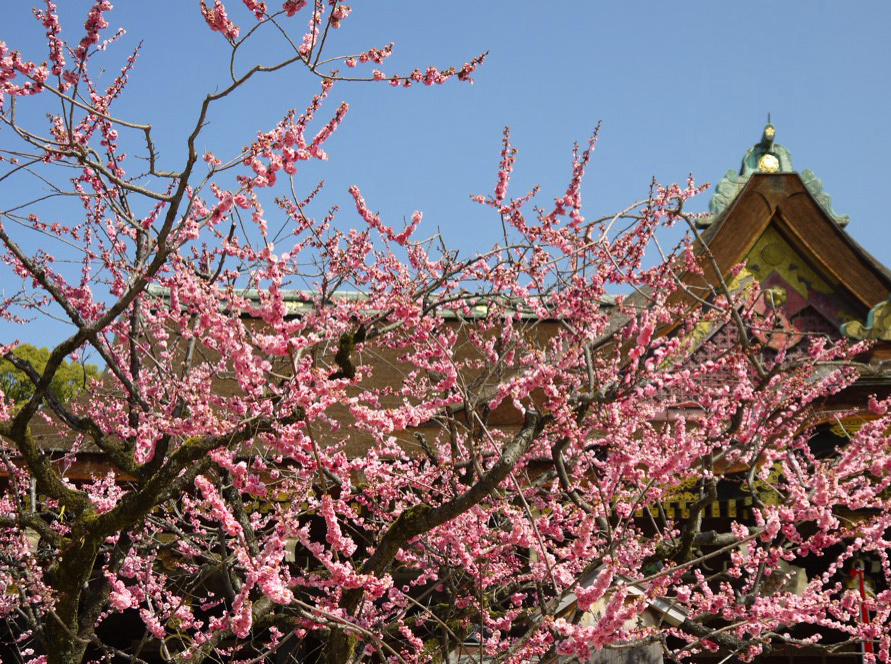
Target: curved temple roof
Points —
{"points": [[766, 156]]}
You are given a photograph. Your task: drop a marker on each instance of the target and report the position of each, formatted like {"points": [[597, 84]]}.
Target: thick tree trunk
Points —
{"points": [[63, 647], [422, 518]]}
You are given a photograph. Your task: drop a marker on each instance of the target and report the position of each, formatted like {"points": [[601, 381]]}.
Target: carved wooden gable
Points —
{"points": [[808, 267], [806, 301]]}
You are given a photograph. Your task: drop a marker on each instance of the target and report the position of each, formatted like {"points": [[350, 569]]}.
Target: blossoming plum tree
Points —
{"points": [[420, 451]]}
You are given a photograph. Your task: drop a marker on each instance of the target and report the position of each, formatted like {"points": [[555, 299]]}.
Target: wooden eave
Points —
{"points": [[783, 200]]}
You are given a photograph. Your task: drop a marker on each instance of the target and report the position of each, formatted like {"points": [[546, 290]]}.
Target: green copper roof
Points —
{"points": [[766, 156]]}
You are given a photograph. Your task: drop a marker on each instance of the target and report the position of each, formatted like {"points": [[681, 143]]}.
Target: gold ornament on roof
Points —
{"points": [[768, 163]]}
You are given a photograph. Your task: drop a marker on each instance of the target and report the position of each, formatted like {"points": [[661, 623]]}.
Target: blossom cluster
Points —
{"points": [[342, 435]]}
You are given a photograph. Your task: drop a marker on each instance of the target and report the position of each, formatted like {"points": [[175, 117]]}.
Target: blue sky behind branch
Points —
{"points": [[681, 87]]}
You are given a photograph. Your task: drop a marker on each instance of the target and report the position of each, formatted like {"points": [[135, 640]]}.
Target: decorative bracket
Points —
{"points": [[878, 324]]}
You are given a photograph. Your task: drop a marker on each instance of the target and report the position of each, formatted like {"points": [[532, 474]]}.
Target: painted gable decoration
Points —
{"points": [[804, 299], [813, 278]]}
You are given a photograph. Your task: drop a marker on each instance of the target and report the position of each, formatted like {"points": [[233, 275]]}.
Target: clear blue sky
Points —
{"points": [[680, 87]]}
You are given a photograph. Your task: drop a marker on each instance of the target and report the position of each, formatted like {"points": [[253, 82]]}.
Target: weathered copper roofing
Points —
{"points": [[302, 301], [786, 200], [766, 157]]}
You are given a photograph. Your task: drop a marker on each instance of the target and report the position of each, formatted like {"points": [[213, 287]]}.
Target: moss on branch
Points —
{"points": [[343, 358]]}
